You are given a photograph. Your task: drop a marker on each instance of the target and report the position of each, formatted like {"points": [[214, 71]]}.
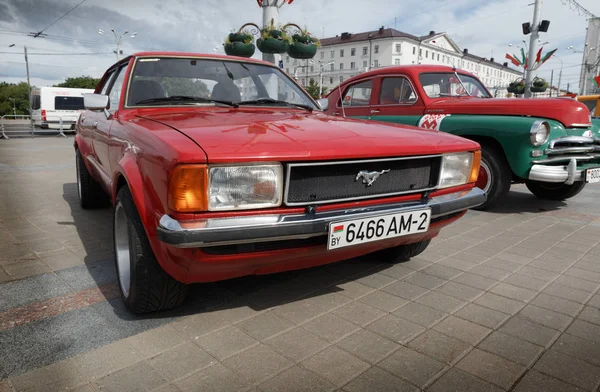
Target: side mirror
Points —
{"points": [[323, 103], [95, 101]]}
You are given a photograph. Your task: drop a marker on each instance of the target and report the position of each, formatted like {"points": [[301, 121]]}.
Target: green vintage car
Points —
{"points": [[550, 144]]}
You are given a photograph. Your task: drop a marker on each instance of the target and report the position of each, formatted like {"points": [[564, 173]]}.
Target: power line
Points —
{"points": [[39, 33]]}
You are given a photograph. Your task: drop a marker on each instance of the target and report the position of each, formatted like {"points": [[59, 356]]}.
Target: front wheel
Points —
{"points": [[402, 253], [145, 286], [554, 191]]}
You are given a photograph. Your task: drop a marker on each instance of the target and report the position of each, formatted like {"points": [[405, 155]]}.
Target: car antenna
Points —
{"points": [[342, 101]]}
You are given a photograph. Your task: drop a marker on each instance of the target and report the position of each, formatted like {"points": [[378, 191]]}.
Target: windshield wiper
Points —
{"points": [[270, 101], [186, 99]]}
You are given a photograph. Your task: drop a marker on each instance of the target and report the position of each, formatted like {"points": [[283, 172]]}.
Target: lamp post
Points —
{"points": [[322, 66], [14, 106], [118, 39], [559, 75]]}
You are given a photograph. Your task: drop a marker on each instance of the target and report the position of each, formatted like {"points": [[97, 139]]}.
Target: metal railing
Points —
{"points": [[16, 125]]}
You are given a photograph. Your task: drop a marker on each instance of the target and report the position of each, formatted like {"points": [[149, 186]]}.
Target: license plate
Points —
{"points": [[360, 231], [592, 175]]}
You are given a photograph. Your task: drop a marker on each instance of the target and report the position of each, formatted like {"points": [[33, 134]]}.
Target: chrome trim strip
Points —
{"points": [[570, 150], [566, 158], [259, 228], [572, 139], [348, 162]]}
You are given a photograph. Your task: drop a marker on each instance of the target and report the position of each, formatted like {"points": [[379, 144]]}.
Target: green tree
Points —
{"points": [[17, 92], [79, 82], [313, 89]]}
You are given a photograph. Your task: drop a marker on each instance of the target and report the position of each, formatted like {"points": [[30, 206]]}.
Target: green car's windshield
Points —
{"points": [[446, 84], [175, 81]]}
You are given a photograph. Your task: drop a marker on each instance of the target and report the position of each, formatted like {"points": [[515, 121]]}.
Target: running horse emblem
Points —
{"points": [[370, 177]]}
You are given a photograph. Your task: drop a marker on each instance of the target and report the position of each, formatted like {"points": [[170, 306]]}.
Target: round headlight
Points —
{"points": [[539, 133]]}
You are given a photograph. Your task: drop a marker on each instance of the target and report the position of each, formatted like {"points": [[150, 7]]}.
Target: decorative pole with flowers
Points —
{"points": [[271, 18]]}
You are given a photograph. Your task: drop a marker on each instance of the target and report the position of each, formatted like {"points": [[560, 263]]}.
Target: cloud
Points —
{"points": [[199, 26]]}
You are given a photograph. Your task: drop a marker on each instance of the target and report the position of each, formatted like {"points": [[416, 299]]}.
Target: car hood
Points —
{"points": [[567, 111], [244, 134]]}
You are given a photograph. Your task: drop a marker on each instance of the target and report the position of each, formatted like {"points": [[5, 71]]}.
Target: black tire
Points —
{"points": [[554, 191], [150, 288], [91, 194], [500, 176], [402, 253]]}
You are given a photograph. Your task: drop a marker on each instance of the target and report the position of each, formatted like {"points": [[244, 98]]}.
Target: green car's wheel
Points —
{"points": [[554, 191]]}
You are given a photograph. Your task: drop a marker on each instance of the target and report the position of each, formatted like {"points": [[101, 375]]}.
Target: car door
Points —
{"points": [[102, 130], [355, 100], [397, 101]]}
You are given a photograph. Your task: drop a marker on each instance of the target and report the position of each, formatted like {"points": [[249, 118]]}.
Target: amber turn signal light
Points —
{"points": [[475, 167], [188, 187]]}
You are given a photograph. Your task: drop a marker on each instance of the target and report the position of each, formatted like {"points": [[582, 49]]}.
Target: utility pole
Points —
{"points": [[27, 67], [270, 15], [535, 28], [559, 78], [551, 81]]}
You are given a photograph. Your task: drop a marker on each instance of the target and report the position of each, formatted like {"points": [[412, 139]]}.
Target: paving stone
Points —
{"points": [[476, 281], [105, 360], [297, 344], [566, 292], [525, 281], [511, 348], [504, 265], [296, 379], [376, 379], [491, 368], [577, 283], [526, 330], [328, 301], [298, 312], [440, 301], [462, 329], [595, 301], [585, 350], [482, 315], [405, 290], [330, 327], [583, 274], [203, 323], [457, 264], [264, 325], [180, 361], [376, 280], [513, 258], [539, 382], [439, 346], [420, 314], [545, 317], [568, 369], [367, 346], [57, 376], [412, 366], [137, 377], [499, 303], [225, 342], [155, 341], [395, 329], [585, 330], [423, 280], [514, 292], [216, 378], [590, 314], [442, 271], [459, 291], [6, 387], [359, 313], [354, 289], [397, 271], [489, 272], [383, 301], [557, 304], [257, 363], [538, 273], [335, 365], [469, 257], [457, 380]]}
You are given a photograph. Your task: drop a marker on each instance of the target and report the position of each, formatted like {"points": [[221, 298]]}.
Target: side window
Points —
{"points": [[397, 90], [107, 82], [359, 94], [114, 93]]}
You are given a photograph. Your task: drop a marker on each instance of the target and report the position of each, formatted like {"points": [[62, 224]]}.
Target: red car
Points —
{"points": [[220, 167]]}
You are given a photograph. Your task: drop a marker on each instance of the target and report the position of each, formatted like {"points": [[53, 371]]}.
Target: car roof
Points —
{"points": [[200, 55]]}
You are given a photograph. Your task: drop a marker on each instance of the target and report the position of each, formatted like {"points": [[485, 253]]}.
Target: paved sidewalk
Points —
{"points": [[502, 300]]}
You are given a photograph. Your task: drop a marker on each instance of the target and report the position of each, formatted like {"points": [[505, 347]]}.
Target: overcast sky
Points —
{"points": [[482, 26]]}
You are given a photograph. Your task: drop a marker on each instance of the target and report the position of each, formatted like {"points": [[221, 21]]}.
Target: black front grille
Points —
{"points": [[310, 183]]}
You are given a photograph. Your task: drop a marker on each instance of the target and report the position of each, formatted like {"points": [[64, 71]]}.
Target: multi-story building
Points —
{"points": [[590, 66], [349, 54]]}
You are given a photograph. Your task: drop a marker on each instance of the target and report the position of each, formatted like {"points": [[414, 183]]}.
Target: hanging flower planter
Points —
{"points": [[240, 44], [303, 45], [539, 85], [517, 87], [272, 40]]}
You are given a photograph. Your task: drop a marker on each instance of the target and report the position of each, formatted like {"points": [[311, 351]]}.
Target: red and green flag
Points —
{"points": [[597, 80], [513, 60], [539, 55], [547, 56]]}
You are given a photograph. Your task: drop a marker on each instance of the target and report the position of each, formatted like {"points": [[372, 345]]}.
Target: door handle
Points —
{"points": [[375, 111]]}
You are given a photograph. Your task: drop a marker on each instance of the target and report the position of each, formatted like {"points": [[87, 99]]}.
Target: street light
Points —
{"points": [[118, 38], [14, 107], [322, 66]]}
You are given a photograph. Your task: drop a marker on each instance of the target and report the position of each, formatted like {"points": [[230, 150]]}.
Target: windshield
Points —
{"points": [[191, 81], [447, 85]]}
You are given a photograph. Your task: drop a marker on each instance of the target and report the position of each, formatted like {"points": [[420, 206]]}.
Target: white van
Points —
{"points": [[51, 104]]}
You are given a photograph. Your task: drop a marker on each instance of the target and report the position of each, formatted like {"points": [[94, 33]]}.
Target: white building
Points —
{"points": [[590, 66], [349, 54]]}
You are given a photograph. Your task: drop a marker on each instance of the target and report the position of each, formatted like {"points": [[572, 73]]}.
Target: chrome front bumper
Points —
{"points": [[567, 174], [262, 228]]}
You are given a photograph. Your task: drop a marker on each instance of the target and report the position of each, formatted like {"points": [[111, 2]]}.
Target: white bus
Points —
{"points": [[51, 104]]}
